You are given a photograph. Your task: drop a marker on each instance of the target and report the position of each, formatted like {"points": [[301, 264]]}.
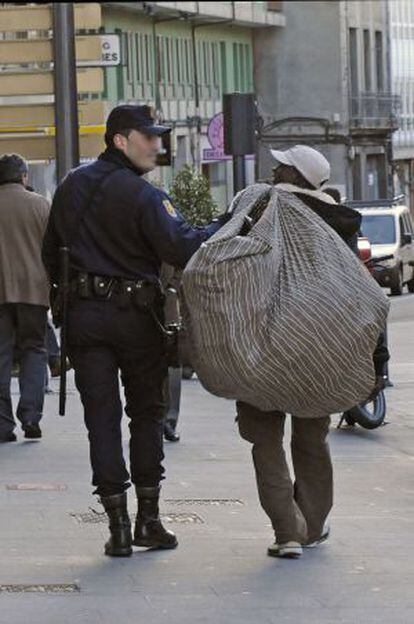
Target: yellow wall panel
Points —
{"points": [[43, 115], [43, 148], [88, 48], [14, 19], [89, 80]]}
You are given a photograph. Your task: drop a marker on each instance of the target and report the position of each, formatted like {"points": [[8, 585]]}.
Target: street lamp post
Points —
{"points": [[66, 93]]}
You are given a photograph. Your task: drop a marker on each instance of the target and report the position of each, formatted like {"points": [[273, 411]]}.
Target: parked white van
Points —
{"points": [[389, 228]]}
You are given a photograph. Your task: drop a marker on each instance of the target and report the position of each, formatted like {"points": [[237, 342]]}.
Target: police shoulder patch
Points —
{"points": [[169, 208]]}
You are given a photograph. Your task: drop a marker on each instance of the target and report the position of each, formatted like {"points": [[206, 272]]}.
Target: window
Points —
{"points": [[407, 227], [208, 69], [379, 60], [242, 67], [169, 60], [120, 69], [224, 80], [367, 60], [188, 67], [376, 181], [353, 60], [379, 229], [148, 58], [160, 60], [138, 58], [236, 67], [275, 6], [178, 59], [356, 178], [206, 63], [130, 57], [215, 64]]}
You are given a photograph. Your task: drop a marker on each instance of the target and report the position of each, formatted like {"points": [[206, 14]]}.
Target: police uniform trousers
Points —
{"points": [[297, 510], [103, 340]]}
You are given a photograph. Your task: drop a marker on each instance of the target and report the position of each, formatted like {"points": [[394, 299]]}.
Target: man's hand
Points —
{"points": [[223, 218], [379, 386]]}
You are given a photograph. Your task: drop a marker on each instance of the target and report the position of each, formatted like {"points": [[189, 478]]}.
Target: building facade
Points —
{"points": [[181, 57], [325, 80], [401, 15]]}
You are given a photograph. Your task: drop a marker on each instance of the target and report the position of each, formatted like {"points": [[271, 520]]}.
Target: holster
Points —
{"points": [[146, 296]]}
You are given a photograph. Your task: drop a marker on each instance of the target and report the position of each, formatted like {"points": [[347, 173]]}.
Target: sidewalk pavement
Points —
{"points": [[52, 567]]}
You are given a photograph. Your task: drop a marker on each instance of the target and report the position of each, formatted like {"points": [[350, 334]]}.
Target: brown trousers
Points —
{"points": [[297, 511]]}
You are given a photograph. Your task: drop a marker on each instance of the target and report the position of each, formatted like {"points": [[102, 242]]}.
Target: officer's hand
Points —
{"points": [[379, 386]]}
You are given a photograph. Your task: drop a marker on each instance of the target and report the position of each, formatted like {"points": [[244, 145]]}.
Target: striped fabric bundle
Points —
{"points": [[285, 317]]}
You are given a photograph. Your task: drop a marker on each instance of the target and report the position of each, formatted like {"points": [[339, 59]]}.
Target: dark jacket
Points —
{"points": [[117, 224], [345, 221]]}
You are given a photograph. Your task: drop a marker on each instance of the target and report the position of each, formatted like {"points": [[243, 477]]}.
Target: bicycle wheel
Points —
{"points": [[370, 415]]}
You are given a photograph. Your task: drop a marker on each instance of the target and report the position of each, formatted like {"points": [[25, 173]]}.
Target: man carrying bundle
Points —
{"points": [[298, 511]]}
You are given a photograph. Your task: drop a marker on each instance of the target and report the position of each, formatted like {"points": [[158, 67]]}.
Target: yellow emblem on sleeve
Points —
{"points": [[169, 208]]}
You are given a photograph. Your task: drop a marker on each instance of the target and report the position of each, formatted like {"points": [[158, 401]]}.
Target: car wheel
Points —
{"points": [[398, 284]]}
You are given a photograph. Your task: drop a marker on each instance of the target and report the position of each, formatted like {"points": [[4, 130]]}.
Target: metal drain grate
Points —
{"points": [[90, 517], [97, 517], [213, 502], [51, 588], [183, 518], [37, 487]]}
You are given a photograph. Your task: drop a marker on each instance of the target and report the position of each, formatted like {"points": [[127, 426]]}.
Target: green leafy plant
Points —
{"points": [[191, 194]]}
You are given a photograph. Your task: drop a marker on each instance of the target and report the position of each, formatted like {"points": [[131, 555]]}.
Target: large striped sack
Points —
{"points": [[284, 317]]}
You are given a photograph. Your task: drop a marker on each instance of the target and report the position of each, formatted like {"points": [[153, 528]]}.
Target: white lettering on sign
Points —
{"points": [[111, 53]]}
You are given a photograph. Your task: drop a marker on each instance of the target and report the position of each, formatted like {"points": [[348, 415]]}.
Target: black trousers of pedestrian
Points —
{"points": [[105, 340], [22, 327]]}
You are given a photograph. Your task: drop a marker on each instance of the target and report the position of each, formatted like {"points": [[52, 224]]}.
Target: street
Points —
{"points": [[52, 567]]}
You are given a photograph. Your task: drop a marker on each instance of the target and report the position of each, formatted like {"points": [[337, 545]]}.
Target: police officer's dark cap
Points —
{"points": [[129, 116]]}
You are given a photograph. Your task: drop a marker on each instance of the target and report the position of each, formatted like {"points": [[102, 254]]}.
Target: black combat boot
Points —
{"points": [[120, 542], [32, 431], [149, 531]]}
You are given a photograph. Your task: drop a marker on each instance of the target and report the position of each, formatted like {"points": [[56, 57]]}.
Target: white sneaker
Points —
{"points": [[325, 535], [289, 550]]}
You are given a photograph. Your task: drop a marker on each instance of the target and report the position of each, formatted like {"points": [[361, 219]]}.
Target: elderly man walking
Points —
{"points": [[24, 298]]}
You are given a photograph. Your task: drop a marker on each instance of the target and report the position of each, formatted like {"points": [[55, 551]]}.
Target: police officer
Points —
{"points": [[119, 229]]}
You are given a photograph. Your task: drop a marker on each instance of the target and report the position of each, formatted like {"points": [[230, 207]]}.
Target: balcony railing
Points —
{"points": [[373, 111]]}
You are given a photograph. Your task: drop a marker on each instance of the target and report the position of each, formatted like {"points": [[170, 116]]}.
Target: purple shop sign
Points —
{"points": [[215, 131], [215, 135]]}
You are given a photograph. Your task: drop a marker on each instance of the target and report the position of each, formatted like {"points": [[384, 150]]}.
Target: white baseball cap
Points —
{"points": [[308, 161]]}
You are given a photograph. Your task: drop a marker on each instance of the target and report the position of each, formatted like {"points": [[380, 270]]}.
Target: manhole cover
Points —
{"points": [[183, 518], [38, 487], [215, 502], [52, 588], [97, 517]]}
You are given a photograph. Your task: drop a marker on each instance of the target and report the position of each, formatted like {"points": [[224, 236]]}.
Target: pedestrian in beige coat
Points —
{"points": [[24, 297]]}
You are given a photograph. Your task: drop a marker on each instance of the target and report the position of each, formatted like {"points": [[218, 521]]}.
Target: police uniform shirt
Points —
{"points": [[117, 224]]}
